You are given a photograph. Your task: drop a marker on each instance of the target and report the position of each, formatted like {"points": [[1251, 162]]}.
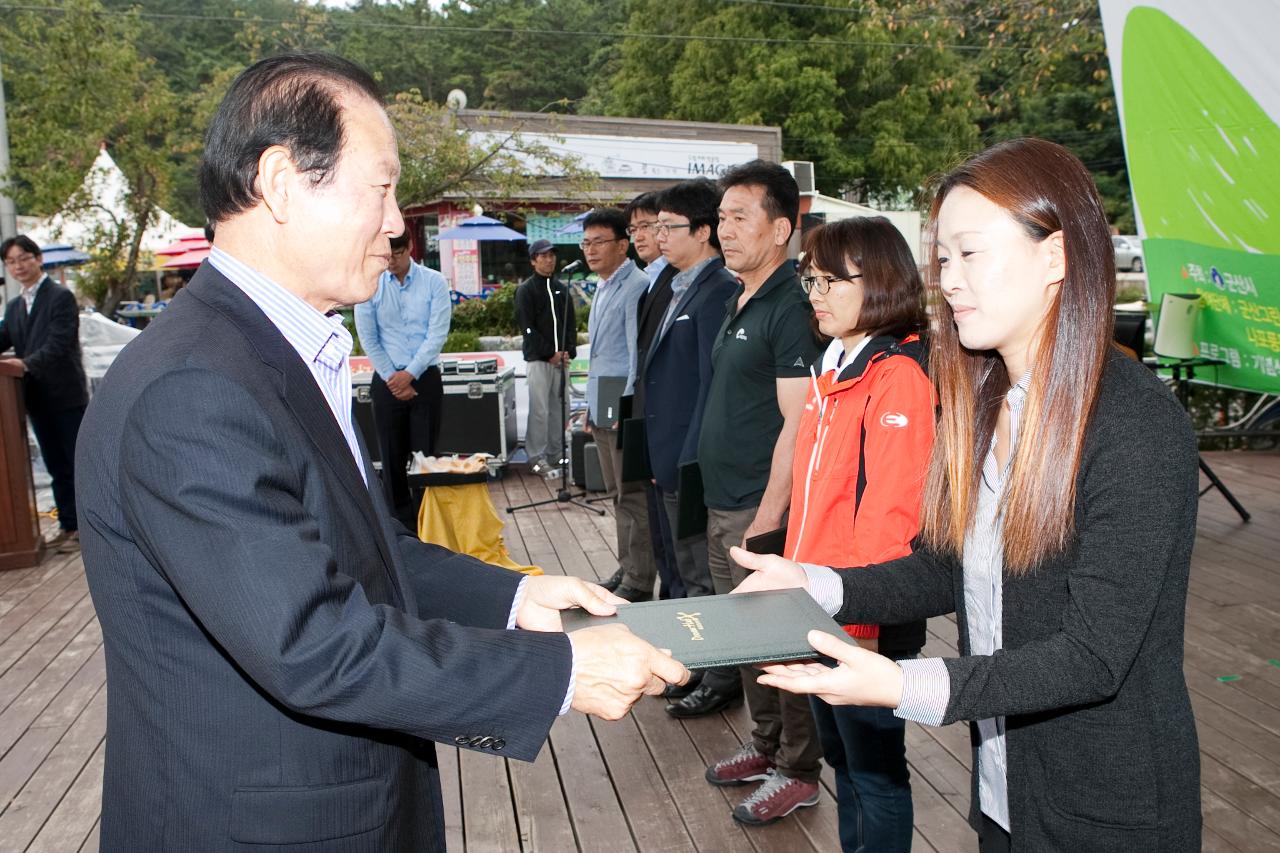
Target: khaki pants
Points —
{"points": [[631, 512], [784, 728]]}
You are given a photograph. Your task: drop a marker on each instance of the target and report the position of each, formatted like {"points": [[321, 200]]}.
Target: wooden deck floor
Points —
{"points": [[637, 784]]}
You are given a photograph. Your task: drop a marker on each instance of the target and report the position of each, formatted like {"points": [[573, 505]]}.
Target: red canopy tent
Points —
{"points": [[187, 252]]}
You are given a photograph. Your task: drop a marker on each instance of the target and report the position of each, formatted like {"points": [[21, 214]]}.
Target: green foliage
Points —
{"points": [[880, 94], [469, 316], [876, 118], [98, 91], [1056, 85], [494, 315], [500, 310], [461, 341], [439, 154]]}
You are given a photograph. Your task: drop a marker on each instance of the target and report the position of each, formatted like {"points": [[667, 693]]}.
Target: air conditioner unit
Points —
{"points": [[802, 171]]}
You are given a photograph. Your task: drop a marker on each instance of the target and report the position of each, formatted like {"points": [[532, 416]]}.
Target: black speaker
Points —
{"points": [[577, 462]]}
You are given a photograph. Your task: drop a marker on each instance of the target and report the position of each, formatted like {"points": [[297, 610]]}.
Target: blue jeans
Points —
{"points": [[867, 749]]}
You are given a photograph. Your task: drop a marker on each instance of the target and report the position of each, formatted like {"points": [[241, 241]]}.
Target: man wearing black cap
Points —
{"points": [[544, 313]]}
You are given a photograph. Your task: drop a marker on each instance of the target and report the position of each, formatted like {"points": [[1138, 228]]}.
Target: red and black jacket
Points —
{"points": [[861, 455]]}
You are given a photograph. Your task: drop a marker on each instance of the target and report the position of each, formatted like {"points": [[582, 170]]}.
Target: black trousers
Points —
{"points": [[405, 426], [56, 434]]}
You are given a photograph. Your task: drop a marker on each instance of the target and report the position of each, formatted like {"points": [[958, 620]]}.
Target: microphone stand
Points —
{"points": [[563, 495]]}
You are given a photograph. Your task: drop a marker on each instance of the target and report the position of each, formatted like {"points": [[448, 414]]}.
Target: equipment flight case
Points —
{"points": [[478, 414]]}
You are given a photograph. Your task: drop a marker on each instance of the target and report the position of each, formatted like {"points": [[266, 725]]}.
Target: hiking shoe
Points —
{"points": [[745, 765], [778, 797]]}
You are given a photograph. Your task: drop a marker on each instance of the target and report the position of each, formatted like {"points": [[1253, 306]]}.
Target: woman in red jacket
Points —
{"points": [[859, 471]]}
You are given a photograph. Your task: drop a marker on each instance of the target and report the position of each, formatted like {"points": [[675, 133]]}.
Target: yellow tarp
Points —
{"points": [[462, 519]]}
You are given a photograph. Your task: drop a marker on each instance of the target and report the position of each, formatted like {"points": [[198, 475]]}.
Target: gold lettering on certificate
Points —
{"points": [[693, 623]]}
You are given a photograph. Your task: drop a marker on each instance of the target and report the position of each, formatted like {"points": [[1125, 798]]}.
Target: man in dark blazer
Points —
{"points": [[42, 326], [281, 654], [635, 581], [677, 367]]}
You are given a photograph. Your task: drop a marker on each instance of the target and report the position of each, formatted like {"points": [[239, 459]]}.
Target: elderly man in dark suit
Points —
{"points": [[281, 654], [43, 327]]}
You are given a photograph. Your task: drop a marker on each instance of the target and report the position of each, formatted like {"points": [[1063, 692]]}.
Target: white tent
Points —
{"points": [[107, 188]]}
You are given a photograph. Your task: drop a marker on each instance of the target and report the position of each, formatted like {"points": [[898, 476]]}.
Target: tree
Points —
{"points": [[1056, 84], [491, 159], [77, 82], [869, 94]]}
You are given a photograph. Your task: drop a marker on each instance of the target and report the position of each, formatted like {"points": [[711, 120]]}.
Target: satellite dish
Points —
{"points": [[456, 100]]}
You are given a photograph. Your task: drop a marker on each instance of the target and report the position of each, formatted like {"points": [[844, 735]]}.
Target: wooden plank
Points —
{"points": [[23, 759], [23, 581], [74, 824], [1234, 826], [704, 809], [22, 602], [937, 820], [13, 577], [44, 791], [646, 801], [451, 794], [37, 695], [23, 658], [91, 843], [594, 808], [1258, 803], [541, 812], [488, 817]]}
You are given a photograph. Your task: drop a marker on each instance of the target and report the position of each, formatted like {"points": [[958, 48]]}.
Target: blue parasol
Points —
{"points": [[479, 228], [61, 255]]}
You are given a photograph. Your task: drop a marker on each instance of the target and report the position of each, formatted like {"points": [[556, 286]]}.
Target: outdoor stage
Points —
{"points": [[637, 784]]}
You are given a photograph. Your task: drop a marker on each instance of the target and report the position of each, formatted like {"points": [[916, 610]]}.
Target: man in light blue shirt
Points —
{"points": [[613, 329], [402, 329]]}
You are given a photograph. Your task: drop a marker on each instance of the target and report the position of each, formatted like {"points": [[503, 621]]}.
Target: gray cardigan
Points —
{"points": [[1102, 751]]}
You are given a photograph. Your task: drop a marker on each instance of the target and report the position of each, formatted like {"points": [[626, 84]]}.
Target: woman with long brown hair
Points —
{"points": [[1057, 522]]}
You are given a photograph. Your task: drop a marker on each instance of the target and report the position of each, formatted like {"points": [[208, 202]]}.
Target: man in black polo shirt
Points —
{"points": [[759, 383]]}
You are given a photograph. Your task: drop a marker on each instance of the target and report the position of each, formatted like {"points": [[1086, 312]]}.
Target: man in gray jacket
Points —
{"points": [[613, 329]]}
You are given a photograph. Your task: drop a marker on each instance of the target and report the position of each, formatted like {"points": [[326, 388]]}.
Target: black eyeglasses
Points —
{"points": [[643, 226], [662, 229], [822, 283], [591, 244]]}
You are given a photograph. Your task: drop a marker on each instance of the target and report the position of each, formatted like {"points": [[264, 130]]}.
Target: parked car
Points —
{"points": [[1128, 253]]}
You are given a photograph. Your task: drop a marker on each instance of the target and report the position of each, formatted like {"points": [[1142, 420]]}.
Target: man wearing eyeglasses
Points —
{"points": [[613, 330], [42, 326], [402, 329], [642, 213]]}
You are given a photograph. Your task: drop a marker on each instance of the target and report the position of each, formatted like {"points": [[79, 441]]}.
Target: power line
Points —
{"points": [[513, 31]]}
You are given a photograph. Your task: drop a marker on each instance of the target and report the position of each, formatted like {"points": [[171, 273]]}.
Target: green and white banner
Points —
{"points": [[1198, 88]]}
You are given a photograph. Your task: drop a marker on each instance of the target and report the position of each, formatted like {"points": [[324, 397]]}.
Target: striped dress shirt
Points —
{"points": [[322, 342], [324, 345]]}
